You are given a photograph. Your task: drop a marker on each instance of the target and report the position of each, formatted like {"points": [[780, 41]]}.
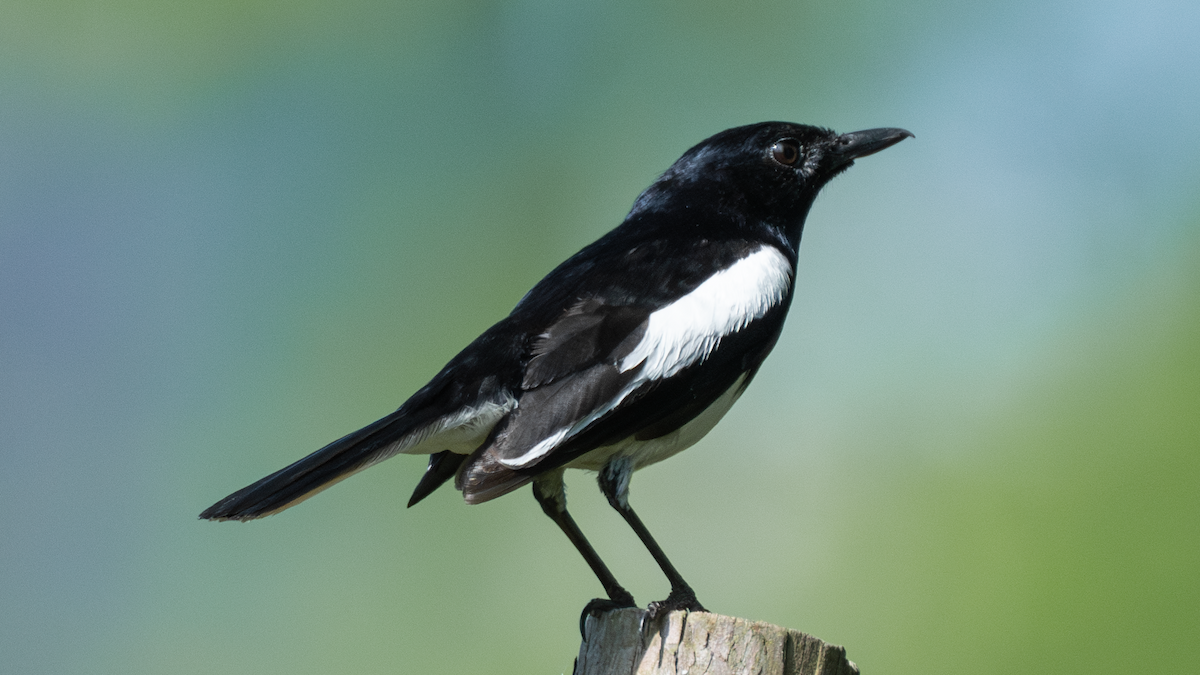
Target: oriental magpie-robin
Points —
{"points": [[622, 356]]}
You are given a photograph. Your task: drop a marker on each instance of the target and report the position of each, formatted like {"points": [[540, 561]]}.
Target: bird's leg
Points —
{"points": [[551, 493], [614, 483]]}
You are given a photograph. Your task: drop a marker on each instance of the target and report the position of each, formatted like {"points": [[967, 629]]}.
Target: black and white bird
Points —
{"points": [[622, 356]]}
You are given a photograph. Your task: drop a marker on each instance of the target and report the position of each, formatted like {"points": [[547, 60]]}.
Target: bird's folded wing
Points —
{"points": [[573, 375], [597, 358]]}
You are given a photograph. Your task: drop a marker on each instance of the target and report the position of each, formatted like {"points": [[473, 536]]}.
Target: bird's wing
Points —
{"points": [[603, 372], [574, 373]]}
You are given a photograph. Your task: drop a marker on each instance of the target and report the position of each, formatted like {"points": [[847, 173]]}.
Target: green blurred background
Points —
{"points": [[231, 232]]}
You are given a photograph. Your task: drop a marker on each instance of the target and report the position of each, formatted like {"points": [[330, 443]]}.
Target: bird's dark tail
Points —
{"points": [[335, 462]]}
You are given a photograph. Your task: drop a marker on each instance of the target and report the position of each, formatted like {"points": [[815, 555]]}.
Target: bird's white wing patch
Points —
{"points": [[686, 331], [690, 328], [538, 451]]}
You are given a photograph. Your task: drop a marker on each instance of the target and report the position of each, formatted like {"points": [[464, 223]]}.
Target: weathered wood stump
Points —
{"points": [[626, 642]]}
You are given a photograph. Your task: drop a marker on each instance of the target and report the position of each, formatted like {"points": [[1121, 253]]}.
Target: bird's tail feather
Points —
{"points": [[299, 481]]}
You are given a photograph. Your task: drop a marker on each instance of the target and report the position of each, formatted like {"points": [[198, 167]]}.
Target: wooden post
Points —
{"points": [[626, 642]]}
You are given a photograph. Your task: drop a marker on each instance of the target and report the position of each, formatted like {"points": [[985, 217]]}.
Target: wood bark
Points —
{"points": [[628, 642]]}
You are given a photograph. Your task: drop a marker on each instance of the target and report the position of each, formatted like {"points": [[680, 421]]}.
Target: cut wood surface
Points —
{"points": [[627, 642]]}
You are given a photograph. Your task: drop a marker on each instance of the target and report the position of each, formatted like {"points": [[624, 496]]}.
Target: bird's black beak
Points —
{"points": [[848, 147]]}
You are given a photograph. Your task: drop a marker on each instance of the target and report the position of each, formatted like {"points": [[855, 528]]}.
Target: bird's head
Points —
{"points": [[771, 171]]}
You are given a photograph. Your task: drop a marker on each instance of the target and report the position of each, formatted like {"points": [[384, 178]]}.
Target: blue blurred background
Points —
{"points": [[231, 232]]}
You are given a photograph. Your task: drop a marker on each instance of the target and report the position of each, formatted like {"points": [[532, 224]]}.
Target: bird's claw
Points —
{"points": [[599, 606], [680, 598]]}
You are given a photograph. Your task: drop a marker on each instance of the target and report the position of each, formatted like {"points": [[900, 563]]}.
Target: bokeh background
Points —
{"points": [[231, 232]]}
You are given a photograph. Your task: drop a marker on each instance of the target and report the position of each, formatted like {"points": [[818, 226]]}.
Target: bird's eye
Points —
{"points": [[786, 151]]}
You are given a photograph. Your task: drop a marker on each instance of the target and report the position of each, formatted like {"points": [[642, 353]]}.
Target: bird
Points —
{"points": [[622, 356]]}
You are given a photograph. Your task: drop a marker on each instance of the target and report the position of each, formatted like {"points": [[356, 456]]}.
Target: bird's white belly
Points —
{"points": [[645, 453]]}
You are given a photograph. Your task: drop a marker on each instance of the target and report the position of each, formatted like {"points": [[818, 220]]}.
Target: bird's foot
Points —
{"points": [[680, 598], [599, 606]]}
